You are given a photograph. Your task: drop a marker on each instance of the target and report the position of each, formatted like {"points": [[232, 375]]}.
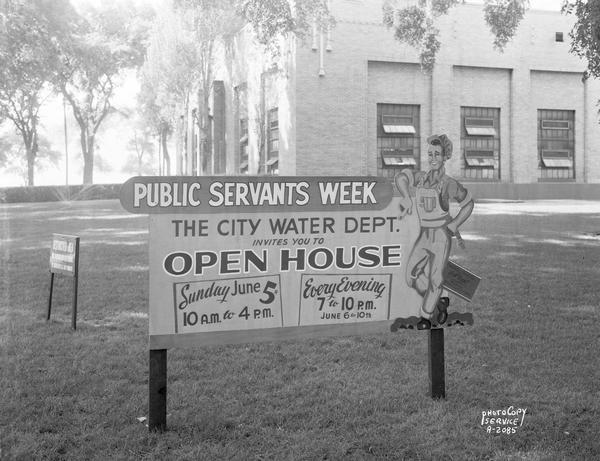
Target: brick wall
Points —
{"points": [[336, 111], [330, 86], [330, 118]]}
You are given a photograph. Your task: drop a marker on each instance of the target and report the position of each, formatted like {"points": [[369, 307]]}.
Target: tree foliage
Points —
{"points": [[179, 66], [271, 19], [179, 69], [102, 44], [178, 57], [160, 119], [504, 17], [585, 34], [415, 24], [29, 32], [13, 158], [141, 151]]}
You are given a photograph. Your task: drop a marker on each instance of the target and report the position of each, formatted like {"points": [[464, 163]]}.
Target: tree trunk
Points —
{"points": [[178, 146], [30, 165], [262, 127], [204, 133], [165, 151], [87, 148], [160, 157], [191, 152], [31, 152], [31, 148], [187, 161]]}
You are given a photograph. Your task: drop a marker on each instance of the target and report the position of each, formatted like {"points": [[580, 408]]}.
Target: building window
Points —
{"points": [[558, 36], [480, 142], [272, 163], [480, 126], [556, 144], [398, 140]]}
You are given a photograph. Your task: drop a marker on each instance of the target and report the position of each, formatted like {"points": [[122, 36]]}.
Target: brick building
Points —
{"points": [[353, 101]]}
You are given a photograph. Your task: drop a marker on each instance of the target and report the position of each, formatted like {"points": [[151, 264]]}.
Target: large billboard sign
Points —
{"points": [[238, 259]]}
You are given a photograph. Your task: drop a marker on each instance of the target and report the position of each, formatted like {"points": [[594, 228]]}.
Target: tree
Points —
{"points": [[102, 44], [160, 119], [210, 23], [169, 74], [180, 59], [271, 19], [28, 36], [13, 160], [415, 24], [585, 34], [142, 149]]}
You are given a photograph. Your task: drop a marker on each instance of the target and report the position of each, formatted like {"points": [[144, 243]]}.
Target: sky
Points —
{"points": [[112, 141], [546, 4], [553, 5]]}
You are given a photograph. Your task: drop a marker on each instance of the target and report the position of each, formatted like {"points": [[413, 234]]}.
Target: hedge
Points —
{"points": [[59, 193]]}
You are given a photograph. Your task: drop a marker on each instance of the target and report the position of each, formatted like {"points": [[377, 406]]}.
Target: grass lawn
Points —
{"points": [[76, 395]]}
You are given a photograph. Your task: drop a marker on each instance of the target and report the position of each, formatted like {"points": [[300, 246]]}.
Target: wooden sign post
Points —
{"points": [[64, 259], [157, 390], [437, 377]]}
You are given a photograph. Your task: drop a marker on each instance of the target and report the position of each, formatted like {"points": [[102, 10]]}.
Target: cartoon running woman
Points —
{"points": [[431, 192]]}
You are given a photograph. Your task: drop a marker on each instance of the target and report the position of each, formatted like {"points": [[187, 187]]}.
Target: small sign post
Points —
{"points": [[64, 259]]}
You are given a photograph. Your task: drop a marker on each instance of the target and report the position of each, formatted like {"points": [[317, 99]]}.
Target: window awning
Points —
{"points": [[557, 162], [483, 162], [480, 131], [480, 158], [244, 139], [477, 126], [555, 125], [243, 165], [399, 129], [398, 157], [272, 161], [393, 124], [557, 159], [399, 161]]}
